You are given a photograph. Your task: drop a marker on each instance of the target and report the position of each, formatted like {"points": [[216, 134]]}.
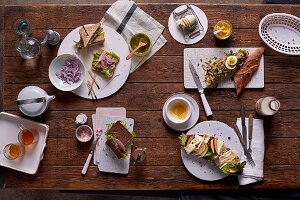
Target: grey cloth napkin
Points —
{"points": [[127, 18], [254, 174]]}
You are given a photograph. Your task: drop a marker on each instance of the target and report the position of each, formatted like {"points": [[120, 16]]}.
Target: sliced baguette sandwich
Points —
{"points": [[214, 151]]}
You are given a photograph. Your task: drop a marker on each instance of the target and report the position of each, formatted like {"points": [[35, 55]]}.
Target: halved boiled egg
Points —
{"points": [[231, 62]]}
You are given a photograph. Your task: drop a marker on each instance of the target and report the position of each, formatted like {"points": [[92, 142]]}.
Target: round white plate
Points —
{"points": [[201, 168], [194, 115], [281, 32], [113, 42], [177, 34]]}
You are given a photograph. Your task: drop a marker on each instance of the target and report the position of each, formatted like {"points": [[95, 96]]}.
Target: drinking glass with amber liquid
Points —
{"points": [[27, 136], [13, 151]]}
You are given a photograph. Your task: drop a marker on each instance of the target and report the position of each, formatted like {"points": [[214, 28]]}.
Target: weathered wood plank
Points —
{"points": [[146, 177], [72, 16], [163, 151], [240, 38], [143, 96], [277, 70], [151, 96], [149, 124]]}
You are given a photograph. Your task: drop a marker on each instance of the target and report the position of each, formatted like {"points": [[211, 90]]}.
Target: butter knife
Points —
{"points": [[29, 101], [88, 160], [247, 154], [244, 128], [200, 90], [250, 130]]}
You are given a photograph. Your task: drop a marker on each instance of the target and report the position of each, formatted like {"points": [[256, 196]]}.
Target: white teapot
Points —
{"points": [[33, 101]]}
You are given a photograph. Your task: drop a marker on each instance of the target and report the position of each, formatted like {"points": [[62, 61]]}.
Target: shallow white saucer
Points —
{"points": [[175, 31], [194, 116]]}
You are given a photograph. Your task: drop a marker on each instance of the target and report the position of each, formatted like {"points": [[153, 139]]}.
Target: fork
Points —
{"points": [[250, 130], [246, 152]]}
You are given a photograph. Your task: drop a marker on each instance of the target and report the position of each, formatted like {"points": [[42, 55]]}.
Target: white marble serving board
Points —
{"points": [[109, 162], [195, 54], [101, 113]]}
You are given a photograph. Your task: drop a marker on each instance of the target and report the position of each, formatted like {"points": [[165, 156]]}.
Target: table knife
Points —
{"points": [[244, 128], [88, 160], [200, 90], [29, 101], [246, 152], [250, 131]]}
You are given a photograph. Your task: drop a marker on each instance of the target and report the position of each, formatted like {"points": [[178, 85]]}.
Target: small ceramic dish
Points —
{"points": [[84, 133], [178, 110], [192, 119], [134, 42], [57, 65]]}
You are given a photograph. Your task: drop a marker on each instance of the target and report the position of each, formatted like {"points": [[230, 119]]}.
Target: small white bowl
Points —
{"points": [[174, 119], [84, 133], [56, 65]]}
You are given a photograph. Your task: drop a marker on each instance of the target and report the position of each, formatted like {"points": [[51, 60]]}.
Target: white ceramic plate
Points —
{"points": [[194, 115], [56, 65], [30, 162], [199, 55], [177, 34], [201, 168], [113, 42], [281, 32]]}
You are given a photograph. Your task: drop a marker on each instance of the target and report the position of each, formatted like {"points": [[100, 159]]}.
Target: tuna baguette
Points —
{"points": [[214, 151]]}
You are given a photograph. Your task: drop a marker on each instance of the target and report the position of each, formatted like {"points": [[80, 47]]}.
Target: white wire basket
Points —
{"points": [[281, 32]]}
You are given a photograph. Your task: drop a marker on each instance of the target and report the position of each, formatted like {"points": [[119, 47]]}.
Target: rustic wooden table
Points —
{"points": [[143, 96]]}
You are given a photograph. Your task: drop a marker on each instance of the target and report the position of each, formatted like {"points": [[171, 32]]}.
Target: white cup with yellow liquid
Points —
{"points": [[178, 110]]}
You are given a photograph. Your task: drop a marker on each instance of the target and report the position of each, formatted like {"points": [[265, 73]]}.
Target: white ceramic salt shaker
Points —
{"points": [[52, 37], [81, 118]]}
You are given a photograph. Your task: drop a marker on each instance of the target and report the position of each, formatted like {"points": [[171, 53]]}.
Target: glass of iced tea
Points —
{"points": [[27, 136], [13, 151]]}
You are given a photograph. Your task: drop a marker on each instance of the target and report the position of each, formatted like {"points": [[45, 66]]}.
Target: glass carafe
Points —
{"points": [[28, 47]]}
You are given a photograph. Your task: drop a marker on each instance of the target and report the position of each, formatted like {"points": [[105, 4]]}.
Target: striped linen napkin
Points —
{"points": [[127, 18]]}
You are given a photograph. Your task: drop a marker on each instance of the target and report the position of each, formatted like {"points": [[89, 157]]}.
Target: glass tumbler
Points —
{"points": [[22, 27], [29, 47], [13, 151], [27, 136]]}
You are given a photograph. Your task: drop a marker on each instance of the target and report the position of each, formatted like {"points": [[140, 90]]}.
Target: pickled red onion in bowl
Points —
{"points": [[84, 133], [66, 72]]}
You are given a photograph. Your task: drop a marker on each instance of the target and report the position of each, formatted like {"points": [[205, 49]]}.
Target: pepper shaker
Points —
{"points": [[52, 37]]}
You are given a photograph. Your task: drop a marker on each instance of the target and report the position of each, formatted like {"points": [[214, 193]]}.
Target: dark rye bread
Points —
{"points": [[121, 133], [121, 139]]}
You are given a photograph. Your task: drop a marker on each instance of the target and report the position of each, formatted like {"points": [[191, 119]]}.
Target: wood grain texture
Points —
{"points": [[143, 96], [151, 96], [277, 70], [149, 124], [146, 178], [247, 37]]}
